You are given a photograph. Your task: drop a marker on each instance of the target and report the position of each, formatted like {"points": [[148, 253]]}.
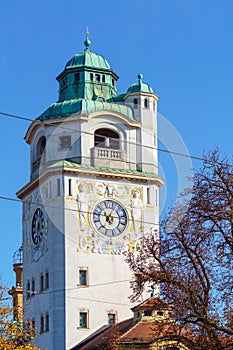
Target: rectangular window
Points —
{"points": [[160, 313], [47, 322], [33, 326], [147, 313], [77, 77], [65, 142], [83, 277], [138, 282], [83, 319], [111, 318], [28, 290], [97, 77], [58, 187], [41, 282], [33, 288], [148, 195], [46, 280], [42, 324], [70, 187]]}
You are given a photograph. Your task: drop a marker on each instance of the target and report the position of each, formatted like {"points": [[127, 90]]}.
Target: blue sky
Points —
{"points": [[183, 48]]}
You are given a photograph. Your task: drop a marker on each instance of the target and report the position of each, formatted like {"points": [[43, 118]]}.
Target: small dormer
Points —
{"points": [[153, 310]]}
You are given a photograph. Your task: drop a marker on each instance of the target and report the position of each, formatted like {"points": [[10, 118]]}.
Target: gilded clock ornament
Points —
{"points": [[38, 226], [110, 218]]}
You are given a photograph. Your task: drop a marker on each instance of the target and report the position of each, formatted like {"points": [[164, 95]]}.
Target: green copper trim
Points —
{"points": [[67, 163], [83, 106]]}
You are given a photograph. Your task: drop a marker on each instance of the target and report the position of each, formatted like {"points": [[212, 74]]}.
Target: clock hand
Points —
{"points": [[106, 217]]}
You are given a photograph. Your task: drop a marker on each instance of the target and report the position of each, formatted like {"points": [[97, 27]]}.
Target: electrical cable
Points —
{"points": [[127, 142]]}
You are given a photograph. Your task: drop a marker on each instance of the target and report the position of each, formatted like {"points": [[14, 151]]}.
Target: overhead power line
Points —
{"points": [[44, 122], [58, 207]]}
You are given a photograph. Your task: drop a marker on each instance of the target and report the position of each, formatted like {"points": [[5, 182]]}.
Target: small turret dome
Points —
{"points": [[140, 86]]}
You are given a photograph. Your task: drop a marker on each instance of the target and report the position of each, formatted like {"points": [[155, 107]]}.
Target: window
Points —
{"points": [[70, 187], [33, 326], [138, 282], [76, 77], [135, 102], [47, 322], [58, 187], [42, 324], [41, 147], [103, 78], [91, 76], [111, 318], [83, 319], [160, 313], [107, 138], [28, 290], [148, 195], [97, 77], [146, 103], [46, 280], [65, 142], [41, 282], [154, 105], [83, 277], [63, 83], [113, 82], [33, 288], [147, 313]]}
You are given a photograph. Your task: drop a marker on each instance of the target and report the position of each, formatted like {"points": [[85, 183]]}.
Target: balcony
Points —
{"points": [[107, 157]]}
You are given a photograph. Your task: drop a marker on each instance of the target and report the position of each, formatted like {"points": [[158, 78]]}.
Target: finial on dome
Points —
{"points": [[87, 42], [140, 76]]}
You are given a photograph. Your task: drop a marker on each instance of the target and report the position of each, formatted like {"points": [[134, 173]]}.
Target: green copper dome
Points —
{"points": [[88, 58], [140, 86]]}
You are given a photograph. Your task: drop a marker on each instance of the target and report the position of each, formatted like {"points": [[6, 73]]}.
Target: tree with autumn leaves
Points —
{"points": [[13, 336], [191, 258]]}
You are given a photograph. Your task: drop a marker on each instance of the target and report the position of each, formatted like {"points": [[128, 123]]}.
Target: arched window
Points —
{"points": [[91, 76], [146, 103], [106, 138], [41, 147], [135, 102]]}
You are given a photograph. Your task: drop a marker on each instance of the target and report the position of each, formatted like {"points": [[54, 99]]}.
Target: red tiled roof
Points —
{"points": [[149, 331], [155, 303], [104, 337]]}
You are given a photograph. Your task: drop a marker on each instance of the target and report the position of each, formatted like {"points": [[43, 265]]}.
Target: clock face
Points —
{"points": [[38, 226], [110, 218]]}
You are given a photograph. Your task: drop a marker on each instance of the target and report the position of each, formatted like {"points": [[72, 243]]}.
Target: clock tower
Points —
{"points": [[92, 195]]}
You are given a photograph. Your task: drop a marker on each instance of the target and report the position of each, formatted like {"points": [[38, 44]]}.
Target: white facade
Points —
{"points": [[86, 204]]}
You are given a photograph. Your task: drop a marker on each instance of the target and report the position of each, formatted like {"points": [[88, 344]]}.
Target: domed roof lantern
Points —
{"points": [[140, 86], [18, 256]]}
